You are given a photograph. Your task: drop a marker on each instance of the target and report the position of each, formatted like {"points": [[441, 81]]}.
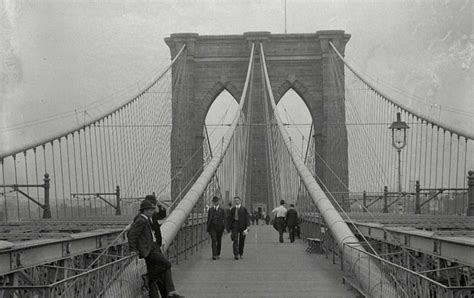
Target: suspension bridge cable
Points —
{"points": [[465, 134], [67, 132], [176, 218], [334, 221]]}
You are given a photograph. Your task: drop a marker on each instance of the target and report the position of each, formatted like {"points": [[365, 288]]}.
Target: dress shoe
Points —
{"points": [[241, 256], [218, 257], [214, 258], [236, 257]]}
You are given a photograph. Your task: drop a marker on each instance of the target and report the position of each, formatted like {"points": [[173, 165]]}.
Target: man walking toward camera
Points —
{"points": [[237, 222], [142, 239], [216, 223]]}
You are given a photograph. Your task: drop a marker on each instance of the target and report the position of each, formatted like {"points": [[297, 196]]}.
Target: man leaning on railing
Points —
{"points": [[144, 239]]}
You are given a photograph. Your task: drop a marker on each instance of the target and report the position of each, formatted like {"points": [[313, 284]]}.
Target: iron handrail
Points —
{"points": [[417, 274]]}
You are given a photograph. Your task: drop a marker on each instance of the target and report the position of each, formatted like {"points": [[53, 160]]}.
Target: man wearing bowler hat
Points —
{"points": [[216, 222], [142, 239]]}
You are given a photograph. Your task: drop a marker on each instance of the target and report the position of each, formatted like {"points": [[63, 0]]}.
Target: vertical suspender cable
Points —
{"points": [[450, 158], [4, 189], [103, 159], [27, 182], [465, 203], [87, 167], [456, 185], [110, 155], [82, 171], [93, 164], [100, 165], [37, 181], [16, 182], [431, 157], [62, 176], [425, 166], [115, 147], [75, 172], [55, 181]]}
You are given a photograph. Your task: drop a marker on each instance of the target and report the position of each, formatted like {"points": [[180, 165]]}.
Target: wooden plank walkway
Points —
{"points": [[268, 269]]}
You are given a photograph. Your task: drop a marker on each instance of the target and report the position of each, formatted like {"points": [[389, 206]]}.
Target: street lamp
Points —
{"points": [[399, 141]]}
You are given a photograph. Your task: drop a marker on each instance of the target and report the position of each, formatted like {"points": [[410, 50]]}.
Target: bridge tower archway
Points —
{"points": [[301, 62]]}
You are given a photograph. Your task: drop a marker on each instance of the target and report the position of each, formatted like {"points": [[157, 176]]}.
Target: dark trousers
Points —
{"points": [[292, 232], [280, 224], [216, 239], [238, 238], [159, 274]]}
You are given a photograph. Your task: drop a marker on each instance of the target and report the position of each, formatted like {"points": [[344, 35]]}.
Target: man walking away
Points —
{"points": [[280, 219], [216, 223], [292, 222], [237, 223], [257, 217], [143, 241], [267, 219]]}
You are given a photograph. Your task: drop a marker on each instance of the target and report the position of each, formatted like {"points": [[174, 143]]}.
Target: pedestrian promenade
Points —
{"points": [[268, 269]]}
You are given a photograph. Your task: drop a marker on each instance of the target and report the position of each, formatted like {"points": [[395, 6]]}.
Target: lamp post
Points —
{"points": [[399, 141]]}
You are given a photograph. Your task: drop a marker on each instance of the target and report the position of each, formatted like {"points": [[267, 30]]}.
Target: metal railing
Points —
{"points": [[408, 283], [119, 275]]}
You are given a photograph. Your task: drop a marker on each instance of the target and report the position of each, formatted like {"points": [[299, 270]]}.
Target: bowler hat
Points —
{"points": [[215, 199], [151, 198], [145, 204]]}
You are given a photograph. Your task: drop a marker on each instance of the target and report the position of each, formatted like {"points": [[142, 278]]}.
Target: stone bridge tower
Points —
{"points": [[301, 62]]}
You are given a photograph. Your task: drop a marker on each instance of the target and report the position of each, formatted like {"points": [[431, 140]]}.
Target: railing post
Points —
{"points": [[118, 210], [470, 193], [385, 199], [364, 201], [46, 207], [417, 197]]}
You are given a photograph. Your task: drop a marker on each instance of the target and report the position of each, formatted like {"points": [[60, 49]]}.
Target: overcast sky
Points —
{"points": [[64, 56]]}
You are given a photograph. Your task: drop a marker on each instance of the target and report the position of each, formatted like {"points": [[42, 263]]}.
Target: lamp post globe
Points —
{"points": [[399, 141]]}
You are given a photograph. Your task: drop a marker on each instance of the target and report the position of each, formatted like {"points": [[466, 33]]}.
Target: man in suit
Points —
{"points": [[292, 222], [216, 223], [237, 222], [142, 239], [158, 215]]}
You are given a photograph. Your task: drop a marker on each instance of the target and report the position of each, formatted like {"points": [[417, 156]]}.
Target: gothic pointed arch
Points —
{"points": [[216, 90], [296, 85], [298, 88], [300, 62]]}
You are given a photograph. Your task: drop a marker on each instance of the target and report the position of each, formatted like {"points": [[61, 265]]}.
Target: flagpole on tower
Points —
{"points": [[285, 16]]}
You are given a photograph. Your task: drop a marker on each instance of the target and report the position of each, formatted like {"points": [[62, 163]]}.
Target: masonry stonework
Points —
{"points": [[301, 62]]}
